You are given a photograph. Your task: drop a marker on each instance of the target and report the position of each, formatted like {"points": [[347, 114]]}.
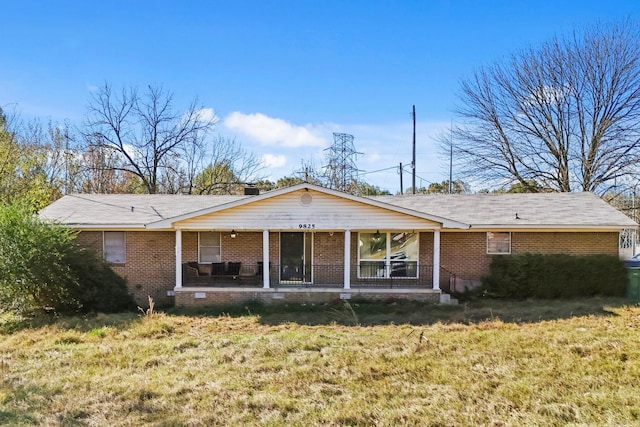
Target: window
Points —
{"points": [[498, 243], [388, 255], [209, 247], [114, 247]]}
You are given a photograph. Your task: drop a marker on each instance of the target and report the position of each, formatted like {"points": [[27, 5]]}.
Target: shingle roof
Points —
{"points": [[127, 209], [532, 209], [552, 210]]}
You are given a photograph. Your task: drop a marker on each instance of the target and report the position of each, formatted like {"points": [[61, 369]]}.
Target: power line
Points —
{"points": [[379, 170]]}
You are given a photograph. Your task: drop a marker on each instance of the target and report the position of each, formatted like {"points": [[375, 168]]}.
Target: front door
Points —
{"points": [[295, 257]]}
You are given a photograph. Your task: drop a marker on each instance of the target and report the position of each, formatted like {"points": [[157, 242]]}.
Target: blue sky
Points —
{"points": [[282, 76]]}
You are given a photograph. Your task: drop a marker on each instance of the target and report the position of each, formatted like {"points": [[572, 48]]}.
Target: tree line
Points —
{"points": [[131, 141], [560, 116]]}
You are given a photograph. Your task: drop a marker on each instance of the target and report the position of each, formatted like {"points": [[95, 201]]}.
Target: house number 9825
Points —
{"points": [[307, 226]]}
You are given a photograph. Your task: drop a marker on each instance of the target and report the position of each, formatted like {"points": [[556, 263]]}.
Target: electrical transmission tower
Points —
{"points": [[341, 170]]}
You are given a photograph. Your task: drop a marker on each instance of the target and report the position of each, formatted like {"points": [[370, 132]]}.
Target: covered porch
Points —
{"points": [[307, 240], [320, 262], [365, 258]]}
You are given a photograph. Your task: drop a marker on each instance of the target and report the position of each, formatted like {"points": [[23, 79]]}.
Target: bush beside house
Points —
{"points": [[100, 288], [41, 267], [555, 276]]}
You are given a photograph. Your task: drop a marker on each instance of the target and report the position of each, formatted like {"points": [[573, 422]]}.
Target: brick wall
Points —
{"points": [[150, 259], [149, 264], [426, 249], [189, 246], [465, 254], [90, 239], [328, 256], [565, 243]]}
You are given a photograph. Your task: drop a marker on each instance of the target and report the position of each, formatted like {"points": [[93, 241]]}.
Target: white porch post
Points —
{"points": [[436, 259], [265, 259], [347, 259], [178, 258]]}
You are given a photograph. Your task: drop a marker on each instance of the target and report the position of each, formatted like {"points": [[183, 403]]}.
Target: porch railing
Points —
{"points": [[396, 275]]}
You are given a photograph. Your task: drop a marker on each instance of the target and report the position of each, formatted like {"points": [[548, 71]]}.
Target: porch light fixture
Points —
{"points": [[233, 234]]}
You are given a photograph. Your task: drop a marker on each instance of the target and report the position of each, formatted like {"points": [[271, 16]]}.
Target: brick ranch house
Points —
{"points": [[309, 243]]}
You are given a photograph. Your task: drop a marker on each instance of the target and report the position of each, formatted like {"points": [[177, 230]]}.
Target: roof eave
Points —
{"points": [[81, 226], [577, 227]]}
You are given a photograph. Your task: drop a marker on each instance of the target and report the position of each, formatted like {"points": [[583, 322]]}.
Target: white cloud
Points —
{"points": [[273, 160], [383, 146], [132, 151], [207, 114], [271, 131], [92, 88]]}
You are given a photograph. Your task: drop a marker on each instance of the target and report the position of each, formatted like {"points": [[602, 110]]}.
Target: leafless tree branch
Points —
{"points": [[565, 114]]}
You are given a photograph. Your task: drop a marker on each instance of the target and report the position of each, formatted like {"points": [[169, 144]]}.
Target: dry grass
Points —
{"points": [[489, 363]]}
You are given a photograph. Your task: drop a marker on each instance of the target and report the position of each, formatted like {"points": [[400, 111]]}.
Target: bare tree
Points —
{"points": [[145, 131], [225, 171], [56, 143], [101, 170], [564, 116]]}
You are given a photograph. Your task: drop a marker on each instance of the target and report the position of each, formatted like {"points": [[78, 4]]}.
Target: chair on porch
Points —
{"points": [[217, 269], [196, 274], [233, 269], [199, 270]]}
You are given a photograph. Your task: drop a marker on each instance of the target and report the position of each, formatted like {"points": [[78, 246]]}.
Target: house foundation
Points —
{"points": [[202, 297]]}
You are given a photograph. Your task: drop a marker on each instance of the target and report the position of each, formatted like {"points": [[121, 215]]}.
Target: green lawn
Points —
{"points": [[484, 363]]}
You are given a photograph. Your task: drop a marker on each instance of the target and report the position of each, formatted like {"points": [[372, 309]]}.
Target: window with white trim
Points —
{"points": [[209, 247], [498, 243], [382, 255], [114, 247]]}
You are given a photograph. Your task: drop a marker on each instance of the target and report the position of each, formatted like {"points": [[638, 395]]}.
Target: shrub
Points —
{"points": [[41, 267], [99, 289], [33, 271], [555, 276]]}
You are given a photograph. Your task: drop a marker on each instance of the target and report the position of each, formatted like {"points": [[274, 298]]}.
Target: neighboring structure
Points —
{"points": [[308, 243]]}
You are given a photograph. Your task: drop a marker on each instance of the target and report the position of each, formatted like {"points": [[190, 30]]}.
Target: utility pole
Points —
{"points": [[401, 192], [451, 159], [413, 162]]}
